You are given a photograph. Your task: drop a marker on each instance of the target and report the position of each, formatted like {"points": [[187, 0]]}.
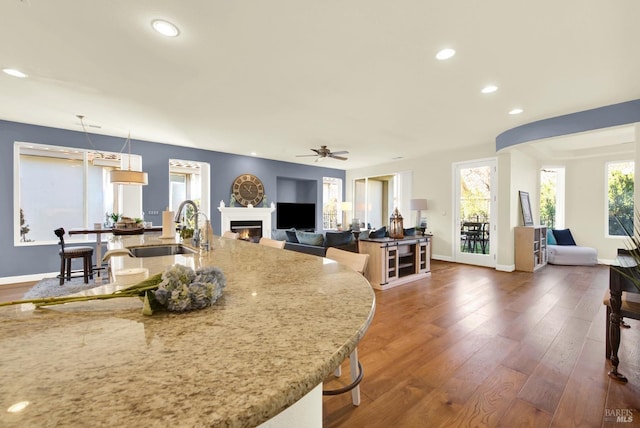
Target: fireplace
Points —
{"points": [[249, 230], [261, 216]]}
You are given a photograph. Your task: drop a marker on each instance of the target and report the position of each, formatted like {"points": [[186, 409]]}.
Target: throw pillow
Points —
{"points": [[377, 234], [564, 237], [410, 231], [336, 239], [291, 236], [310, 238], [551, 239], [279, 234]]}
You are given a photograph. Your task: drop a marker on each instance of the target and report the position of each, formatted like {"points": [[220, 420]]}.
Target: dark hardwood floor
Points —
{"points": [[474, 347]]}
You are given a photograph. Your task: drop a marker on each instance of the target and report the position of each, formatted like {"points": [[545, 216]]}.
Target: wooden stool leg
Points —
{"points": [[61, 270], [607, 340], [85, 269]]}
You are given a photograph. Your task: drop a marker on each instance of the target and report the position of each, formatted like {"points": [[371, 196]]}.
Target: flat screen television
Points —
{"points": [[295, 215]]}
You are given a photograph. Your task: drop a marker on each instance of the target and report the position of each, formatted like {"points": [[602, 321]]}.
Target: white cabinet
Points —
{"points": [[394, 262]]}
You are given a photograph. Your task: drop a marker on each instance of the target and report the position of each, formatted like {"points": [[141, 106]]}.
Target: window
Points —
{"points": [[552, 197], [189, 180], [66, 187], [620, 198], [332, 213], [375, 198]]}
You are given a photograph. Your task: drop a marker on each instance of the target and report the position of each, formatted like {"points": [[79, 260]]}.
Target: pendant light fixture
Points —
{"points": [[121, 176]]}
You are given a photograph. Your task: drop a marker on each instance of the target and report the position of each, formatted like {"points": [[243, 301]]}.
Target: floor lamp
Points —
{"points": [[345, 207]]}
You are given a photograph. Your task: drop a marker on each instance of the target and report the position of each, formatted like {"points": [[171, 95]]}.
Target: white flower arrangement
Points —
{"points": [[183, 289]]}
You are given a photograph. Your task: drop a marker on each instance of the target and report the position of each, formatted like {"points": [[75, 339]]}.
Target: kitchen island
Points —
{"points": [[285, 321]]}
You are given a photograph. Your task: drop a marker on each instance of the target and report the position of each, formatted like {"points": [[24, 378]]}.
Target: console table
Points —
{"points": [[394, 262], [623, 301]]}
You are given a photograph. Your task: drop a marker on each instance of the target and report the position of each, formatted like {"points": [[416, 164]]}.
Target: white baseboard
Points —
{"points": [[442, 258], [26, 278], [506, 268], [503, 268]]}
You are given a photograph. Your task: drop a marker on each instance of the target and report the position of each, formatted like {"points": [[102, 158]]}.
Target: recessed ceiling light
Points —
{"points": [[445, 54], [13, 72], [254, 154], [165, 28], [489, 89], [516, 111]]}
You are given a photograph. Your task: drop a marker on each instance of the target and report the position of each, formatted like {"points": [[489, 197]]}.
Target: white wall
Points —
{"points": [[517, 170], [432, 180]]}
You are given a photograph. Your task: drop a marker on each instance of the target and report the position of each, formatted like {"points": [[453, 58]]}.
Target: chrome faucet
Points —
{"points": [[196, 230]]}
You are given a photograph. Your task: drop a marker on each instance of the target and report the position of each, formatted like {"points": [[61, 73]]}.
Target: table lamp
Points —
{"points": [[418, 205]]}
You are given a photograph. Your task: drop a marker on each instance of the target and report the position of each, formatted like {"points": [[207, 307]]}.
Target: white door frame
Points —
{"points": [[459, 256]]}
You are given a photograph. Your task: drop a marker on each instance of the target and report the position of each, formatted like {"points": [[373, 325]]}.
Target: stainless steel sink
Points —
{"points": [[160, 250]]}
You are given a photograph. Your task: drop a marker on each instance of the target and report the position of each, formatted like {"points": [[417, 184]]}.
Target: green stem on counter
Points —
{"points": [[132, 291]]}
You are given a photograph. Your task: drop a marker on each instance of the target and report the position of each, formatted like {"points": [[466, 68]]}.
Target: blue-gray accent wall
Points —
{"points": [[587, 120], [225, 167]]}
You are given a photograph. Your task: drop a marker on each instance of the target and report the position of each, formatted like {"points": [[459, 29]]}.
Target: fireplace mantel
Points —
{"points": [[229, 214]]}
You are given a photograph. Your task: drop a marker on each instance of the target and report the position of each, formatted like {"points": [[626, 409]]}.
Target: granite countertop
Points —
{"points": [[285, 321]]}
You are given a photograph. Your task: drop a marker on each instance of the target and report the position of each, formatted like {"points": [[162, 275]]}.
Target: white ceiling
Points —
{"points": [[280, 77]]}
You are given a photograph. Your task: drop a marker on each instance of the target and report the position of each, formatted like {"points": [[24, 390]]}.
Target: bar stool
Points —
{"points": [[69, 253], [357, 262]]}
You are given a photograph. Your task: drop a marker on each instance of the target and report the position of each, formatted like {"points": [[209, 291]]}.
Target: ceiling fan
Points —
{"points": [[323, 153]]}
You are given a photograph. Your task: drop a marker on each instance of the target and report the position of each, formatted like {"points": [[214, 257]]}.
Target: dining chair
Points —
{"points": [[67, 254], [230, 235], [357, 262], [472, 232], [271, 243]]}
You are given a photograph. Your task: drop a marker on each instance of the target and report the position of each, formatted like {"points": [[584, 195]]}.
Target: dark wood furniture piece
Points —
{"points": [[622, 300], [67, 254]]}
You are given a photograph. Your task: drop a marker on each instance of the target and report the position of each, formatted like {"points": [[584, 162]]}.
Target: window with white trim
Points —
{"points": [[67, 187], [620, 184]]}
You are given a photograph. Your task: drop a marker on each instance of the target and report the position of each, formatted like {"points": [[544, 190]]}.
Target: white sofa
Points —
{"points": [[562, 250], [571, 255]]}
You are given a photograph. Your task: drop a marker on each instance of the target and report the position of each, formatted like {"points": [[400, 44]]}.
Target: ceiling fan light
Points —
{"points": [[122, 176]]}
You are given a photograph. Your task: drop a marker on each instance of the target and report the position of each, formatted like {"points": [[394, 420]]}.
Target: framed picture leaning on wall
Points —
{"points": [[525, 205]]}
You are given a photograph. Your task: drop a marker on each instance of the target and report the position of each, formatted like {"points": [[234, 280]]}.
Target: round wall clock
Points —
{"points": [[248, 189]]}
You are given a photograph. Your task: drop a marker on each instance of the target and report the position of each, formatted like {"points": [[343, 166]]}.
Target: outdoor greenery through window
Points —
{"points": [[620, 198], [475, 194], [552, 197]]}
